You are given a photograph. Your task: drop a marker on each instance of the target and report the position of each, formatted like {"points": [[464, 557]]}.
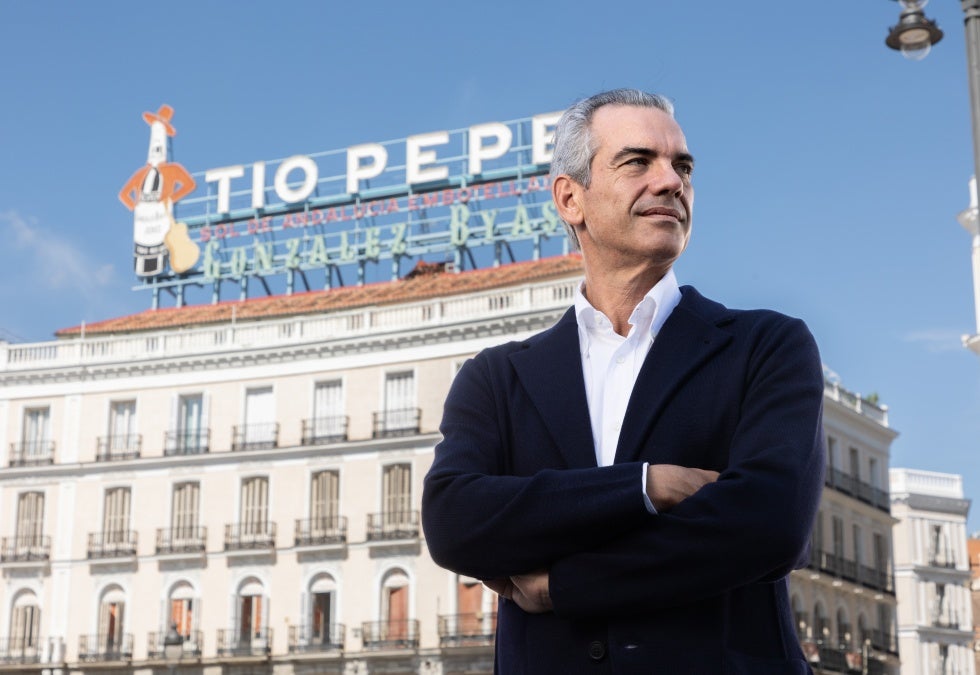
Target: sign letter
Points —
{"points": [[415, 157], [356, 170], [304, 164], [480, 152], [224, 176], [543, 137]]}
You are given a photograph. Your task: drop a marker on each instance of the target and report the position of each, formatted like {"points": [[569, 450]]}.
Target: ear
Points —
{"points": [[565, 193]]}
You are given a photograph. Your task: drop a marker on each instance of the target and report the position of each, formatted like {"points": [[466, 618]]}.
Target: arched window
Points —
{"points": [[251, 619], [799, 617], [395, 624], [321, 621], [25, 623], [821, 624], [112, 639], [843, 629], [183, 610]]}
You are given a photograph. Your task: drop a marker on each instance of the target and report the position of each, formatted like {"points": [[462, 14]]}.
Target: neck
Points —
{"points": [[617, 292]]}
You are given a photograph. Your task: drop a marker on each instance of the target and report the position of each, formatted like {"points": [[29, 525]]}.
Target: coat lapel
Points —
{"points": [[689, 337], [550, 370]]}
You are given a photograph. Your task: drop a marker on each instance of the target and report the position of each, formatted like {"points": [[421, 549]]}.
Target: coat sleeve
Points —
{"points": [[481, 522], [752, 525]]}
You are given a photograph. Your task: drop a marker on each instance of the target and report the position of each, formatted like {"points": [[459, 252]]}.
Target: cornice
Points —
{"points": [[235, 356]]}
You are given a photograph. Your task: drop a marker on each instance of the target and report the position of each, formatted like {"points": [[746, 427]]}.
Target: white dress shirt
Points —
{"points": [[612, 362]]}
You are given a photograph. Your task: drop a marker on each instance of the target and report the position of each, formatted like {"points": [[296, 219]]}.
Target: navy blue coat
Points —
{"points": [[701, 588]]}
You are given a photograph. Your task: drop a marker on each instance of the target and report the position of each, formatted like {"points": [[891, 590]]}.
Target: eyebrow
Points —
{"points": [[647, 152]]}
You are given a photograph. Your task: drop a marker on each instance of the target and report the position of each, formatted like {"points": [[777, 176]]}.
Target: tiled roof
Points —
{"points": [[425, 281]]}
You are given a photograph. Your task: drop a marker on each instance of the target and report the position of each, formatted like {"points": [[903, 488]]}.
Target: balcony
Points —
{"points": [[321, 531], [20, 651], [393, 525], [825, 658], [32, 453], [316, 639], [393, 423], [119, 447], [112, 544], [322, 430], [259, 536], [186, 442], [943, 562], [105, 648], [380, 635], [467, 630], [177, 540], [842, 568], [238, 642], [25, 549], [851, 486], [255, 437], [951, 622], [883, 641], [191, 645]]}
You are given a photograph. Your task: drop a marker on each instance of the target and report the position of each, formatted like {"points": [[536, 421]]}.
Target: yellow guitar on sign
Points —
{"points": [[183, 251]]}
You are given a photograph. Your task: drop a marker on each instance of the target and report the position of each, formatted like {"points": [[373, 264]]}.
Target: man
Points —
{"points": [[577, 474]]}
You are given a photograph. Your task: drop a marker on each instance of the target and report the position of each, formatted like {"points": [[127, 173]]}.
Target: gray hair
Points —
{"points": [[574, 147]]}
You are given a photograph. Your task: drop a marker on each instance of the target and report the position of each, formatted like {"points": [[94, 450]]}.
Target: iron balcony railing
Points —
{"points": [[112, 544], [25, 548], [192, 644], [118, 647], [826, 658], [20, 651], [255, 436], [181, 540], [187, 442], [32, 453], [322, 638], [393, 525], [321, 531], [467, 630], [944, 562], [883, 641], [250, 536], [853, 487], [377, 635], [842, 568], [244, 642], [950, 621], [320, 430], [390, 423], [119, 447]]}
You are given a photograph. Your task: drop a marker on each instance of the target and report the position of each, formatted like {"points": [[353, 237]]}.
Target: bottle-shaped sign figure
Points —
{"points": [[150, 194]]}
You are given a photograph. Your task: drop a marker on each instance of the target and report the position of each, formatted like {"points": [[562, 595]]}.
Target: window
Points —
{"points": [[873, 472], [838, 533], [397, 493], [250, 609], [855, 463], [122, 428], [880, 553], [395, 605], [843, 629], [30, 521], [831, 451], [400, 412], [25, 623], [325, 500], [184, 515], [255, 505], [191, 436], [260, 418], [329, 422], [858, 552], [36, 438], [115, 521], [183, 609], [321, 609], [818, 534], [111, 614]]}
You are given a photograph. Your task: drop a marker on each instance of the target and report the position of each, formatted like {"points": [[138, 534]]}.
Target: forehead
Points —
{"points": [[618, 126]]}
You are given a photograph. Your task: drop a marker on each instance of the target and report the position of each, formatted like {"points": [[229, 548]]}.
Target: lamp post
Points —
{"points": [[173, 647], [914, 35]]}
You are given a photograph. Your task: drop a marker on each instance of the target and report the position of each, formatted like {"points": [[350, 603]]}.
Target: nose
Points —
{"points": [[665, 180]]}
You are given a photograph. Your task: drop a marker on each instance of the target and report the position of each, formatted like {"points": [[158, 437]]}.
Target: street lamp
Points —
{"points": [[173, 647], [914, 34]]}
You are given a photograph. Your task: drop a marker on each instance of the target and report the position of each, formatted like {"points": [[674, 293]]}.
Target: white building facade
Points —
{"points": [[250, 479], [932, 573]]}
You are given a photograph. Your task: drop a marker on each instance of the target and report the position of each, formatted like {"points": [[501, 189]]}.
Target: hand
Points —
{"points": [[668, 484], [529, 591]]}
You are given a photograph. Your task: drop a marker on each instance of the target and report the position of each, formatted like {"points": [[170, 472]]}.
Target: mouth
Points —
{"points": [[662, 211]]}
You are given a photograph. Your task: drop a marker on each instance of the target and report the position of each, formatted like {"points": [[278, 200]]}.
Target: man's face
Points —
{"points": [[638, 205]]}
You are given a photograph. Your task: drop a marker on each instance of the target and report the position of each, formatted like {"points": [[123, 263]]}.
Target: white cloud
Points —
{"points": [[936, 340], [59, 263]]}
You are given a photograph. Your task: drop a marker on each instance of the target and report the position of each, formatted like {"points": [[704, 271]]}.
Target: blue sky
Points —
{"points": [[830, 169]]}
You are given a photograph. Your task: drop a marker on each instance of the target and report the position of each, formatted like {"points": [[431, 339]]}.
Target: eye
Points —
{"points": [[684, 169]]}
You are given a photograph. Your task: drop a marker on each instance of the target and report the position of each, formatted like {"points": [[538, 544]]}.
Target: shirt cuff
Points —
{"points": [[646, 497]]}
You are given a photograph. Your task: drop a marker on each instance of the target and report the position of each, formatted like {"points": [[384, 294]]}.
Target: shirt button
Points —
{"points": [[597, 650], [620, 360]]}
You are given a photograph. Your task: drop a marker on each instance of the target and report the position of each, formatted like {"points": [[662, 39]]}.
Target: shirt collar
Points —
{"points": [[648, 316]]}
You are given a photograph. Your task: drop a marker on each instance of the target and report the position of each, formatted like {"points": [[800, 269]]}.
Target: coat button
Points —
{"points": [[597, 650]]}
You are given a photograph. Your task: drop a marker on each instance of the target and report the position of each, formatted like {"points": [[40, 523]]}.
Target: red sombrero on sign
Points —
{"points": [[163, 116]]}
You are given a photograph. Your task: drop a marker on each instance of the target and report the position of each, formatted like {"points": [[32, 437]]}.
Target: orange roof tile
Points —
{"points": [[424, 282]]}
